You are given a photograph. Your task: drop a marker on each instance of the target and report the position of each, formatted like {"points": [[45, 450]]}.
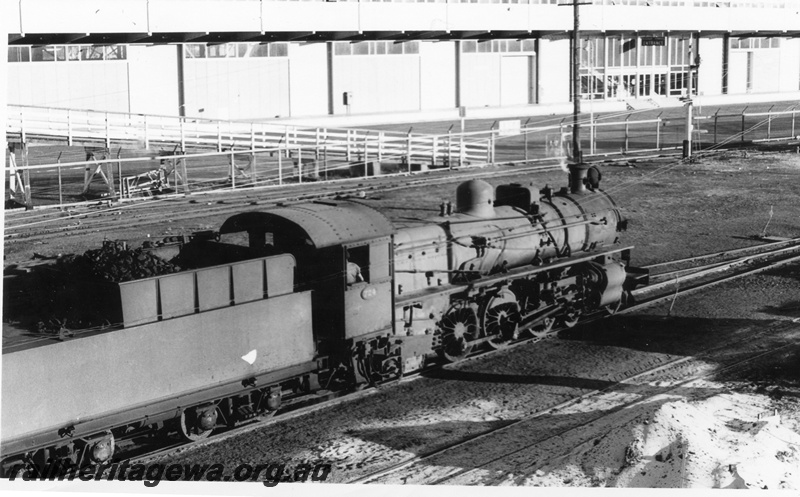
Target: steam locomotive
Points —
{"points": [[296, 300]]}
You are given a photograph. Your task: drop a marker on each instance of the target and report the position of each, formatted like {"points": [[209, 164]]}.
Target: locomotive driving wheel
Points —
{"points": [[570, 318], [501, 319], [459, 327], [543, 327]]}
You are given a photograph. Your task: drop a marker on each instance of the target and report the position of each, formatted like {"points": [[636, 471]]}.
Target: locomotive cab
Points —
{"points": [[344, 256]]}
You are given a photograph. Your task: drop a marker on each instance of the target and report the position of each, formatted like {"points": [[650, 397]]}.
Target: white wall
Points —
{"points": [[554, 84], [308, 74], [737, 72], [248, 88], [378, 83], [437, 75], [790, 64], [709, 79], [95, 85], [153, 79], [766, 71], [480, 79], [515, 79]]}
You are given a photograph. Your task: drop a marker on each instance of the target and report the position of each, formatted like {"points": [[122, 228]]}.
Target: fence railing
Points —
{"points": [[226, 154], [602, 136], [244, 155], [112, 128]]}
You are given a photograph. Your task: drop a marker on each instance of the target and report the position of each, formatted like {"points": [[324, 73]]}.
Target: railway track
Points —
{"points": [[102, 216], [203, 205], [786, 252], [683, 373]]}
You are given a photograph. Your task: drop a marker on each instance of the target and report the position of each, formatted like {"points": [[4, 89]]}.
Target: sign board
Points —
{"points": [[510, 127], [653, 41]]}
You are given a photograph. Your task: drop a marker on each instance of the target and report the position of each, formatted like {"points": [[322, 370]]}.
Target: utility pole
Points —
{"points": [[694, 64], [181, 81], [577, 170], [577, 156]]}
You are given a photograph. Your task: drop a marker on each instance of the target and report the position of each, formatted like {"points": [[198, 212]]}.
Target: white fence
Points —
{"points": [[145, 131], [119, 158], [199, 154]]}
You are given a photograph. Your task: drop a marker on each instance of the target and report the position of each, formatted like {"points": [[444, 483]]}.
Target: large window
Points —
{"points": [[375, 48], [235, 50], [499, 46], [754, 43], [67, 53], [653, 56], [621, 67], [19, 54]]}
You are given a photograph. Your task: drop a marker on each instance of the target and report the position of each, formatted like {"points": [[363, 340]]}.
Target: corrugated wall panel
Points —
{"points": [[237, 88], [154, 79], [308, 75], [80, 85], [737, 72], [709, 80], [766, 71], [379, 83], [554, 71], [480, 79], [438, 75], [790, 64]]}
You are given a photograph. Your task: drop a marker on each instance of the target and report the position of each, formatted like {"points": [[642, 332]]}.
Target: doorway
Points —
{"points": [[517, 80]]}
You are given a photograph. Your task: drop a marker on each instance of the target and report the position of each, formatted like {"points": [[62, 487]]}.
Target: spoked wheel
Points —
{"points": [[501, 319], [387, 369], [543, 327], [459, 327], [570, 319], [198, 423], [21, 470]]}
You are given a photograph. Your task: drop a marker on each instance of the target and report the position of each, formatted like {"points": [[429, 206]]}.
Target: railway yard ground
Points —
{"points": [[700, 391]]}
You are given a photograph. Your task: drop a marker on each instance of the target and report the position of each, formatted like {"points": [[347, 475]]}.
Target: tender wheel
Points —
{"points": [[501, 319], [102, 450], [543, 327], [19, 470], [198, 423], [459, 327]]}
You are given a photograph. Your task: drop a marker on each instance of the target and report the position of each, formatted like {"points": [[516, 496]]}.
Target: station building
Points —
{"points": [[265, 59]]}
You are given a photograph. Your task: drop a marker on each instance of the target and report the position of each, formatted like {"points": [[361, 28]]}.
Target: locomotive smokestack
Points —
{"points": [[577, 175]]}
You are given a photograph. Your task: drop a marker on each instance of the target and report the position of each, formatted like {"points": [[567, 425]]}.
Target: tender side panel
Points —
{"points": [[45, 388], [162, 297]]}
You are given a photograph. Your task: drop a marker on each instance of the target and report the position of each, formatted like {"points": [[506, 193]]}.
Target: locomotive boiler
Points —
{"points": [[285, 302], [515, 259]]}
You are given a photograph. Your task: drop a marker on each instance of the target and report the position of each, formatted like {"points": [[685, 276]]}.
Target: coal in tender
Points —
{"points": [[116, 262]]}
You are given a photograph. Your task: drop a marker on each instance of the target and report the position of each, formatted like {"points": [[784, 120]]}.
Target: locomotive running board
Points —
{"points": [[501, 277]]}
